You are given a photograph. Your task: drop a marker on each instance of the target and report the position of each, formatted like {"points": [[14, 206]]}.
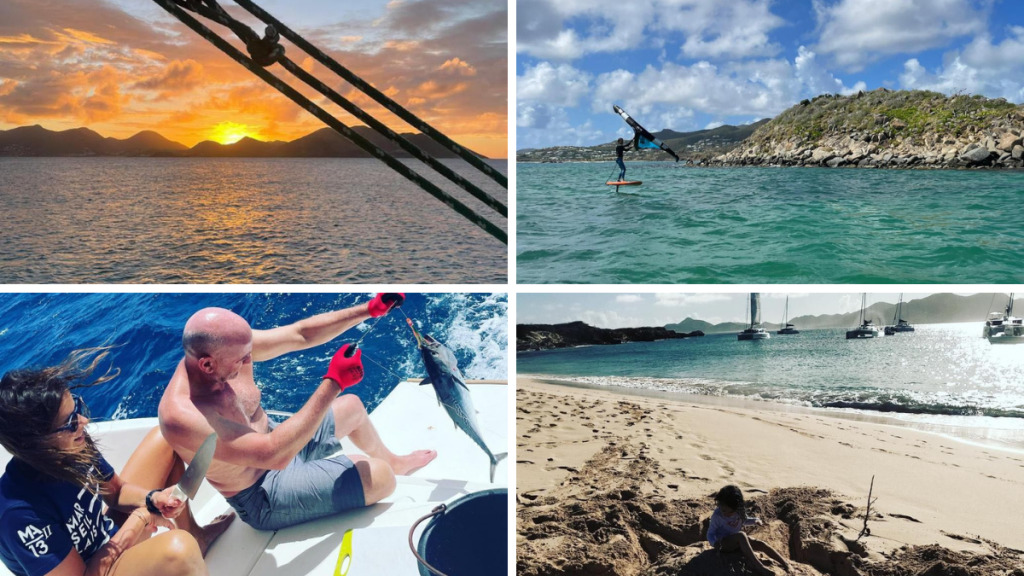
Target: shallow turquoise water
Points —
{"points": [[767, 225], [943, 375]]}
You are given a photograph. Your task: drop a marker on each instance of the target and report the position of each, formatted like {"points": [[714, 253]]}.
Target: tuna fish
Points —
{"points": [[452, 393]]}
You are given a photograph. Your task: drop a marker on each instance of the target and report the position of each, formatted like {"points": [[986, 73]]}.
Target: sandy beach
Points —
{"points": [[613, 483]]}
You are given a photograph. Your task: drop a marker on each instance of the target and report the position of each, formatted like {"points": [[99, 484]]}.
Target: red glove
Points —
{"points": [[382, 303], [344, 371]]}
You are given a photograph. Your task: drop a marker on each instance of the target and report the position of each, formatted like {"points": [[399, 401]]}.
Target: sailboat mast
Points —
{"points": [[1009, 306]]}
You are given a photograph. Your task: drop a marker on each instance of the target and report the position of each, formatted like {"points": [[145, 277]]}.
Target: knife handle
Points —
{"points": [[179, 493]]}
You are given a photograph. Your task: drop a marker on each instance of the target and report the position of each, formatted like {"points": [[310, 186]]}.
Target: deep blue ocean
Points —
{"points": [[41, 329], [767, 225]]}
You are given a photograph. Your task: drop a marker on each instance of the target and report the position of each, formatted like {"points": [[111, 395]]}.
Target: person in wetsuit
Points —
{"points": [[619, 149]]}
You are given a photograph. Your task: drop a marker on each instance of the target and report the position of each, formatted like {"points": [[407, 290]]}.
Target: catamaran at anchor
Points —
{"points": [[1003, 327], [898, 323], [866, 328], [754, 331]]}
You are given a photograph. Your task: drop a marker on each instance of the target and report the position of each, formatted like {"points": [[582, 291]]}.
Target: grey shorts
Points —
{"points": [[311, 487]]}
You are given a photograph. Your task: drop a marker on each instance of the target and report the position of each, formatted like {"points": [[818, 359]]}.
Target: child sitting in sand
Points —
{"points": [[725, 532]]}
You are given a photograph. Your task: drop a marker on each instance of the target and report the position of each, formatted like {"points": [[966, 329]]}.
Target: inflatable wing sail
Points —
{"points": [[641, 137]]}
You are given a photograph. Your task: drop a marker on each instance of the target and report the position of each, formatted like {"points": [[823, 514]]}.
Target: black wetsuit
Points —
{"points": [[619, 149]]}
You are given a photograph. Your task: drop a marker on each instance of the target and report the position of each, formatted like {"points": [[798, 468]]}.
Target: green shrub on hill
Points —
{"points": [[904, 113]]}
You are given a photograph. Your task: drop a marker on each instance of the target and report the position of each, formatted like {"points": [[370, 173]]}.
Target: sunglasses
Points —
{"points": [[80, 410]]}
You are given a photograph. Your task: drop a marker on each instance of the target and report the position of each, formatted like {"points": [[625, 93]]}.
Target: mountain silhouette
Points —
{"points": [[324, 143], [934, 309]]}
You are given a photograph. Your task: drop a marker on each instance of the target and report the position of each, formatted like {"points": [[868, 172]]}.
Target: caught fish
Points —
{"points": [[452, 393]]}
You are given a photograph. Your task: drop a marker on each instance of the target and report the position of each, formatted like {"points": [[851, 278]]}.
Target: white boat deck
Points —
{"points": [[409, 419]]}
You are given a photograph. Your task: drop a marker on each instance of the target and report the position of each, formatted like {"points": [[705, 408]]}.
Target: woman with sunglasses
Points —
{"points": [[52, 519]]}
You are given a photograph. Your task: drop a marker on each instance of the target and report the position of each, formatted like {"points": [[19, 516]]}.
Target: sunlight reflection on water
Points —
{"points": [[173, 220]]}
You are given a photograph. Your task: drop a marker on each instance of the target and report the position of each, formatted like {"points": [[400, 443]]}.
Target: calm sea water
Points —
{"points": [[209, 220], [941, 370], [40, 330], [767, 225]]}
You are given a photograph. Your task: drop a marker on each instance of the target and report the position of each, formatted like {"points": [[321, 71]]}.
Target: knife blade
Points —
{"points": [[196, 471]]}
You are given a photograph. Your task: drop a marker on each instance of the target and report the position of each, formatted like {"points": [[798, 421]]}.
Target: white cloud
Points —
{"points": [[782, 296], [761, 88], [609, 28], [713, 125], [713, 29], [543, 93], [540, 125], [735, 29], [609, 319], [1007, 56], [628, 298], [545, 83], [858, 32], [702, 86], [816, 79], [675, 299], [995, 70]]}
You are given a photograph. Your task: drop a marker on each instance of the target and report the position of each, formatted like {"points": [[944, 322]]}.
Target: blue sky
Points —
{"points": [[632, 310], [693, 64]]}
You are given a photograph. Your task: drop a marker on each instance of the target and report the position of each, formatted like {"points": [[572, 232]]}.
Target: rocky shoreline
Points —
{"points": [[532, 337], [845, 152]]}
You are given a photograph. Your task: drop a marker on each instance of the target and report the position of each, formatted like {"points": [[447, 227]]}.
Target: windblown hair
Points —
{"points": [[30, 400], [732, 497]]}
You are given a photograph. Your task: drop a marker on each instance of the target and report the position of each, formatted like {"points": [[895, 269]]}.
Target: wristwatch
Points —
{"points": [[149, 502]]}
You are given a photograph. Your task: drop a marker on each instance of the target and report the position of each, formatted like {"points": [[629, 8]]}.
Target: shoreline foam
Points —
{"points": [[1004, 433]]}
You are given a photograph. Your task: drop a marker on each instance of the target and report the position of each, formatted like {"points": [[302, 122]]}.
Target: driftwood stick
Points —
{"points": [[867, 513]]}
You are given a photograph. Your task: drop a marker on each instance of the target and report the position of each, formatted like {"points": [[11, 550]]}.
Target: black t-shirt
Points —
{"points": [[619, 149], [42, 519]]}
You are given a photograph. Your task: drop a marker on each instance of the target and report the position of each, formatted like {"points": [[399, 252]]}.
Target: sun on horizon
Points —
{"points": [[231, 132]]}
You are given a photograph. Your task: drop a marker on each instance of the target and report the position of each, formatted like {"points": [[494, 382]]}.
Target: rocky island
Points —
{"points": [[549, 336], [888, 129]]}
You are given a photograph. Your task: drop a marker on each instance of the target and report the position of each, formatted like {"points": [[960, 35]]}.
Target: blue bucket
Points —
{"points": [[470, 538]]}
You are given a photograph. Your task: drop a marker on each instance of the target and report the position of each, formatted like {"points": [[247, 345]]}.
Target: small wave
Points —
{"points": [[869, 400], [478, 329], [929, 409]]}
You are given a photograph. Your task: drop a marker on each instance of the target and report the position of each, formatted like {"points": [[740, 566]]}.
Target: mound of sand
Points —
{"points": [[611, 516]]}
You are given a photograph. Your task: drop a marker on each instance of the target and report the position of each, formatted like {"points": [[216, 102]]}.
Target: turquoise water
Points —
{"points": [[767, 225], [941, 369]]}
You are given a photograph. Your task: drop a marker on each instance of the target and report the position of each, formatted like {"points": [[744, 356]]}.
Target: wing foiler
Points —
{"points": [[641, 137]]}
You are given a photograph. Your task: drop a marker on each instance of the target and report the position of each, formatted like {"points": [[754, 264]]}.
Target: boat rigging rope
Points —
{"points": [[267, 51], [372, 92]]}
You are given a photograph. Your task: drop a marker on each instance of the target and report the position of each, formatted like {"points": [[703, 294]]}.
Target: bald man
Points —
{"points": [[278, 475]]}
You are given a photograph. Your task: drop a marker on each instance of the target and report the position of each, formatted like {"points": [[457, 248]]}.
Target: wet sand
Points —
{"points": [[585, 445]]}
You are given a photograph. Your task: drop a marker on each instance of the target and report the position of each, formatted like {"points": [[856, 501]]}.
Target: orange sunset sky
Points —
{"points": [[123, 66]]}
